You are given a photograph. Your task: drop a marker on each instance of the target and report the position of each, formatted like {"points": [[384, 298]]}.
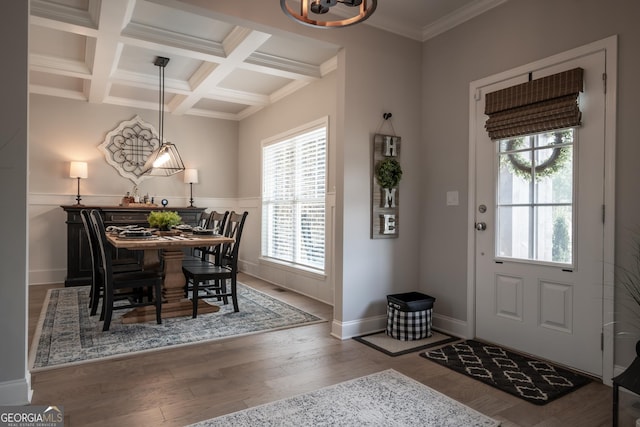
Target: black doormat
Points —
{"points": [[535, 381]]}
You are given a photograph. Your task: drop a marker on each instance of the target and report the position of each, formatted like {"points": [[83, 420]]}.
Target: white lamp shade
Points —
{"points": [[191, 176], [78, 170]]}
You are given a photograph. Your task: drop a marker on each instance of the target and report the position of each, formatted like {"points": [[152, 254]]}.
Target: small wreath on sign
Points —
{"points": [[388, 173], [522, 167]]}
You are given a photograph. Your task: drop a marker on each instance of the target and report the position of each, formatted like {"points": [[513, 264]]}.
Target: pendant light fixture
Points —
{"points": [[311, 11], [165, 160]]}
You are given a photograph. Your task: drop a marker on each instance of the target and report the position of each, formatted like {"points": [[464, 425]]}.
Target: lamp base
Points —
{"points": [[78, 198], [191, 194]]}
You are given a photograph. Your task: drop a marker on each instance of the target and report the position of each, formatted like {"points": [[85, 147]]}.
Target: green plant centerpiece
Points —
{"points": [[163, 220], [388, 173]]}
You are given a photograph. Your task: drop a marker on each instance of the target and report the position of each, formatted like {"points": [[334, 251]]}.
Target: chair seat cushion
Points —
{"points": [[124, 268], [205, 268], [193, 261]]}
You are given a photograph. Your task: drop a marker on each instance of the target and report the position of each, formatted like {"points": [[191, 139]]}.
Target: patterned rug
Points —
{"points": [[533, 380], [67, 334], [394, 347], [386, 398]]}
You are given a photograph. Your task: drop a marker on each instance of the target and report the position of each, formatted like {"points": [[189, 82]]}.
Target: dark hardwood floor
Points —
{"points": [[180, 386]]}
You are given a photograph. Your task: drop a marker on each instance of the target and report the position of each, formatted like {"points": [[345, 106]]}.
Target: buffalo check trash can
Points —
{"points": [[409, 316]]}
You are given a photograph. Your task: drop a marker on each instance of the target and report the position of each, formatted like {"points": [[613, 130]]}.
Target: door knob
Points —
{"points": [[481, 226]]}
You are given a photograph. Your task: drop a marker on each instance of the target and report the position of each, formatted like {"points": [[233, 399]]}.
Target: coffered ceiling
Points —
{"points": [[102, 51]]}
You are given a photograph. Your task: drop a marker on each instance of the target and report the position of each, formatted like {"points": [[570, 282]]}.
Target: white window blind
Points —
{"points": [[293, 198]]}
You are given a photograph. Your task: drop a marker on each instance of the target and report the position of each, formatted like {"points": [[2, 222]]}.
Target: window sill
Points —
{"points": [[293, 268]]}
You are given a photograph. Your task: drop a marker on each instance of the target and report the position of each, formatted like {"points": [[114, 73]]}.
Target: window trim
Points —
{"points": [[322, 122]]}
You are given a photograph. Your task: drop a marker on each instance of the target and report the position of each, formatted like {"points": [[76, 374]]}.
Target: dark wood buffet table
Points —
{"points": [[78, 254], [170, 248]]}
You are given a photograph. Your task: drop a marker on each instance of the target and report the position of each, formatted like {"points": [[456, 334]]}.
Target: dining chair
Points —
{"points": [[203, 221], [211, 276], [114, 282], [215, 220], [120, 265]]}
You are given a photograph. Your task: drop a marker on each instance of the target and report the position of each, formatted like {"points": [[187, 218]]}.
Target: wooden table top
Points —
{"points": [[165, 242]]}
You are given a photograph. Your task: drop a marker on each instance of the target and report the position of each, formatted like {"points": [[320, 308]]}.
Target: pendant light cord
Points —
{"points": [[161, 101]]}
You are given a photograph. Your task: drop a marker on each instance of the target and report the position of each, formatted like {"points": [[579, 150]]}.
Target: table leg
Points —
{"points": [[174, 303]]}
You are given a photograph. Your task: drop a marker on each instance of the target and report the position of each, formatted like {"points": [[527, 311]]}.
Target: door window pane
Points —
{"points": [[513, 188], [554, 225], [534, 199], [513, 232]]}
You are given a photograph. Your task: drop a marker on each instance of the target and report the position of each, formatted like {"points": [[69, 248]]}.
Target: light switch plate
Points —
{"points": [[452, 198]]}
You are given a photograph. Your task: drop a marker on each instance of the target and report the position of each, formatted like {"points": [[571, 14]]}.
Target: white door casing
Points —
{"points": [[556, 312]]}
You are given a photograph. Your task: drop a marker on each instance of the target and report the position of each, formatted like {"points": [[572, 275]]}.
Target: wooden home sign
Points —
{"points": [[385, 198]]}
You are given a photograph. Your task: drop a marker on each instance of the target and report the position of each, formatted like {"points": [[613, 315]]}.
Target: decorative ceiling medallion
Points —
{"points": [[128, 146]]}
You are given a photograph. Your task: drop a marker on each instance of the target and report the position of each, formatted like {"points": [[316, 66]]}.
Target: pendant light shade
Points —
{"points": [[165, 160]]}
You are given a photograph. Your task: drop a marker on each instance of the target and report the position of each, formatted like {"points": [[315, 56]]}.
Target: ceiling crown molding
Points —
{"points": [[458, 17], [439, 26]]}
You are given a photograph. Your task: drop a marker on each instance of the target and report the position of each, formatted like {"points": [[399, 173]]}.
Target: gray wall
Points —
{"points": [[513, 34], [14, 377], [63, 130]]}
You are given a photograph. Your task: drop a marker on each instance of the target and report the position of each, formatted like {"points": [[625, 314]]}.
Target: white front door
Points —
{"points": [[539, 235]]}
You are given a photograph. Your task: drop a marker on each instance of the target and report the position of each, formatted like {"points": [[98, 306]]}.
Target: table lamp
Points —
{"points": [[191, 177], [78, 170]]}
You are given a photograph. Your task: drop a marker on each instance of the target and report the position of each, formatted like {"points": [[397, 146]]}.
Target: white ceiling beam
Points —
{"points": [[281, 67], [60, 93], [238, 46], [213, 114], [59, 66], [105, 54], [146, 81], [147, 36], [237, 97], [62, 18]]}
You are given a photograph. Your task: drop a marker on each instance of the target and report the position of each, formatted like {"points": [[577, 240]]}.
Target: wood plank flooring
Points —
{"points": [[189, 384]]}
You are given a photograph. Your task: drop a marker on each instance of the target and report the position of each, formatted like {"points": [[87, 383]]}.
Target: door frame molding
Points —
{"points": [[610, 46]]}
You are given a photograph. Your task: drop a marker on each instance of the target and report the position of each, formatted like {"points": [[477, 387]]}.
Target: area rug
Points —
{"points": [[535, 381], [386, 398], [394, 347], [67, 334]]}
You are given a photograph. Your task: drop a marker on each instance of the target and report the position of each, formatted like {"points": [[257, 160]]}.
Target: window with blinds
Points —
{"points": [[293, 197]]}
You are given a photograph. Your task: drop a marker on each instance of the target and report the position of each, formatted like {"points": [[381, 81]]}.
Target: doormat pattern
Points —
{"points": [[394, 347], [535, 381]]}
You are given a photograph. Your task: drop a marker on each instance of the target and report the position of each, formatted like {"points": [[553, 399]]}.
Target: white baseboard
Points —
{"points": [[356, 328], [47, 277], [16, 392], [450, 326]]}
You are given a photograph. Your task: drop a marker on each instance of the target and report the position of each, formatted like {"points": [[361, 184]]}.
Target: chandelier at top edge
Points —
{"points": [[311, 12]]}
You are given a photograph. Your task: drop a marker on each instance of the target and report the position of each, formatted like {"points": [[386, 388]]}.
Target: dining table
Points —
{"points": [[166, 252]]}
